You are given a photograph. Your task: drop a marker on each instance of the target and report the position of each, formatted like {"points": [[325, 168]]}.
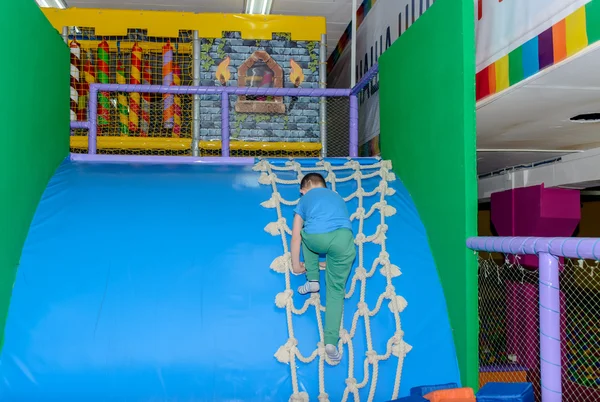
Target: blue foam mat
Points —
{"points": [[146, 282]]}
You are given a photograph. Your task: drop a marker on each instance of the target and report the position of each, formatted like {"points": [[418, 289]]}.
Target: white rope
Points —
{"points": [[289, 352]]}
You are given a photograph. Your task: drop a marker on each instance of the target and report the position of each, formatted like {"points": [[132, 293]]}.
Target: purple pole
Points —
{"points": [[550, 355], [93, 120], [353, 126], [224, 125], [168, 81]]}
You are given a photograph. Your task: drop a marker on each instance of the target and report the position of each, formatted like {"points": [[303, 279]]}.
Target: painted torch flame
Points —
{"points": [[223, 73], [296, 76]]}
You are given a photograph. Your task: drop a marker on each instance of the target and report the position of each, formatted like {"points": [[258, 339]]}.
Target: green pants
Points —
{"points": [[339, 248]]}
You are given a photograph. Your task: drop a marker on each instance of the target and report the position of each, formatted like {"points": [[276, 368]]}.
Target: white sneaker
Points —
{"points": [[333, 353]]}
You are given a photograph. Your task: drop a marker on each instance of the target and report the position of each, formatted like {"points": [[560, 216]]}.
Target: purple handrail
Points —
{"points": [[205, 90], [92, 126], [570, 247], [548, 250], [163, 159], [364, 81]]}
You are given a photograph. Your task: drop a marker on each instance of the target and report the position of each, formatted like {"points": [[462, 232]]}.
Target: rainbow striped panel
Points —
{"points": [[564, 39], [344, 40]]}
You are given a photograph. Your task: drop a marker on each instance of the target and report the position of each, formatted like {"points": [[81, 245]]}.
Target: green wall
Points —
{"points": [[427, 101], [34, 134]]}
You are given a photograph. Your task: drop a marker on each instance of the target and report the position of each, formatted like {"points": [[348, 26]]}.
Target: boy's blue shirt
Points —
{"points": [[323, 211]]}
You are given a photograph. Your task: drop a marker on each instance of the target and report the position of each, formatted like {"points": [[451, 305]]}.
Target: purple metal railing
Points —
{"points": [[366, 79], [80, 125], [92, 126], [163, 159], [549, 250]]}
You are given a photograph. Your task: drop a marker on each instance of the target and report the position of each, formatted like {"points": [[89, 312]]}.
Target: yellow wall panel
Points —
{"points": [[169, 23]]}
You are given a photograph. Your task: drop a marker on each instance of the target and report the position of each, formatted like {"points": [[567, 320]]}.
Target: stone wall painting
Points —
{"points": [[279, 62]]}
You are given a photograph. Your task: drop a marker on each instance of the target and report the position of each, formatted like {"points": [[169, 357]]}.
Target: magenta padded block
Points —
{"points": [[535, 211]]}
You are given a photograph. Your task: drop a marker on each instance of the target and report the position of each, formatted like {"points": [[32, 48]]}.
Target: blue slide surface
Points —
{"points": [[144, 282]]}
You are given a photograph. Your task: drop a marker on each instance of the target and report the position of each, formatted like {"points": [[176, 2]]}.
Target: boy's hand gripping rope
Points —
{"points": [[288, 352]]}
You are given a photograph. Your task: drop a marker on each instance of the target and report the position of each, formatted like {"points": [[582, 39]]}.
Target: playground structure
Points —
{"points": [[280, 358], [500, 369], [510, 295], [185, 124], [375, 366], [509, 345], [159, 318]]}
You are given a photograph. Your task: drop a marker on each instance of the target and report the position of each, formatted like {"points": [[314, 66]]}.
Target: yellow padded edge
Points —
{"points": [[168, 23], [156, 143]]}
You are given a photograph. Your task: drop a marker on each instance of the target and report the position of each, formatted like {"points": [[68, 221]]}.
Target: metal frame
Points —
{"points": [[548, 249], [92, 126]]}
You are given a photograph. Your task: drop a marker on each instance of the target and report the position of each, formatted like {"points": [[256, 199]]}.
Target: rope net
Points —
{"points": [[509, 325], [289, 352]]}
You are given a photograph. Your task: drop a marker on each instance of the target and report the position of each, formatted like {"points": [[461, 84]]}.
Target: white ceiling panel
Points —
{"points": [[536, 114], [488, 162], [338, 12]]}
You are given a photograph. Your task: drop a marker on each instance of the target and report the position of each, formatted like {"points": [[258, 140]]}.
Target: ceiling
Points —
{"points": [[534, 115], [338, 13]]}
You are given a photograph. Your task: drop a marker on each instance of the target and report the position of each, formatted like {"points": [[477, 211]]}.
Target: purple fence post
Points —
{"points": [[353, 126], [93, 120], [550, 354], [225, 124]]}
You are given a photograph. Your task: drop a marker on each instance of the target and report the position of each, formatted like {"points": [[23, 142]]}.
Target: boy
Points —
{"points": [[322, 225]]}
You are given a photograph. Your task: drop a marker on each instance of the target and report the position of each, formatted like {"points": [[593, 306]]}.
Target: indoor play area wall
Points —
{"points": [[32, 137], [118, 47], [428, 131]]}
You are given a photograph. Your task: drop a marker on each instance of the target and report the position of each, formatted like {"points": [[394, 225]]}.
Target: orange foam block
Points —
{"points": [[451, 395], [459, 400]]}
